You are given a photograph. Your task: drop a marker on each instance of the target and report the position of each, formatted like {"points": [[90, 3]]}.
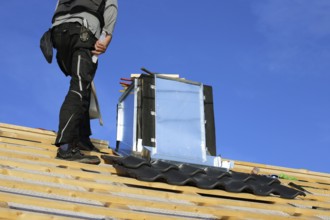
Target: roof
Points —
{"points": [[35, 185]]}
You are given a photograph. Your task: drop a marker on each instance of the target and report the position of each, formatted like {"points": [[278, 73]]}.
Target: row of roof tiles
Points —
{"points": [[201, 177]]}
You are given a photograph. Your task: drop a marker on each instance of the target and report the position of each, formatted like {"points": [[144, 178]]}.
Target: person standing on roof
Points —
{"points": [[81, 31]]}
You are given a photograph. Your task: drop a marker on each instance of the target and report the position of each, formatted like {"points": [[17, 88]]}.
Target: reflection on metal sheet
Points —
{"points": [[180, 130], [125, 122]]}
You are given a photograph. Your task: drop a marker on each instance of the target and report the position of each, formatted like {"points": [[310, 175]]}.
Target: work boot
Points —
{"points": [[86, 144], [73, 154]]}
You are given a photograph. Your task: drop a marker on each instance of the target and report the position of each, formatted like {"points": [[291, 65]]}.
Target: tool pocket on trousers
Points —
{"points": [[46, 45]]}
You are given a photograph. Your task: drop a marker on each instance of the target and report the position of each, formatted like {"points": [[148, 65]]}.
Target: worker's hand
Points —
{"points": [[101, 46]]}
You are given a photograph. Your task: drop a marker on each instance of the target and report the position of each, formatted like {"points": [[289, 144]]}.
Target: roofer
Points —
{"points": [[75, 34]]}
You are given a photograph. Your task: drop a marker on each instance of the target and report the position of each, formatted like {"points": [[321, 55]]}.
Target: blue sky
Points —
{"points": [[267, 60]]}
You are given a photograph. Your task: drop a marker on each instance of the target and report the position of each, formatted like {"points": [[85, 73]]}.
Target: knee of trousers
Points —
{"points": [[78, 100]]}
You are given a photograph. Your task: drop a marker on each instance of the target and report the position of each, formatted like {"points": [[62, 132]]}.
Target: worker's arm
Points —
{"points": [[101, 46], [110, 17]]}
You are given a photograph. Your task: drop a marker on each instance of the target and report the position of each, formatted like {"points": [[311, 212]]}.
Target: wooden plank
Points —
{"points": [[299, 176], [83, 209], [312, 183], [8, 137], [310, 186], [115, 199], [36, 151], [41, 153], [86, 176], [250, 166], [65, 171], [22, 128], [196, 211], [127, 201], [7, 140], [75, 170], [103, 188], [29, 133], [55, 162], [12, 214], [105, 197], [318, 191], [39, 135], [33, 138], [49, 150], [50, 147]]}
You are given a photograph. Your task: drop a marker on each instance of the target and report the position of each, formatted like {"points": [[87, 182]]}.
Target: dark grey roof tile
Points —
{"points": [[202, 177], [129, 161], [190, 170], [163, 166]]}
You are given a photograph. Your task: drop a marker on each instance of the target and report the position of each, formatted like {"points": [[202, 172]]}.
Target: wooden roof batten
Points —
{"points": [[35, 185]]}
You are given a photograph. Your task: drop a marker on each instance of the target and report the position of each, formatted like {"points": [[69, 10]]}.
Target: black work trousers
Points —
{"points": [[74, 57]]}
